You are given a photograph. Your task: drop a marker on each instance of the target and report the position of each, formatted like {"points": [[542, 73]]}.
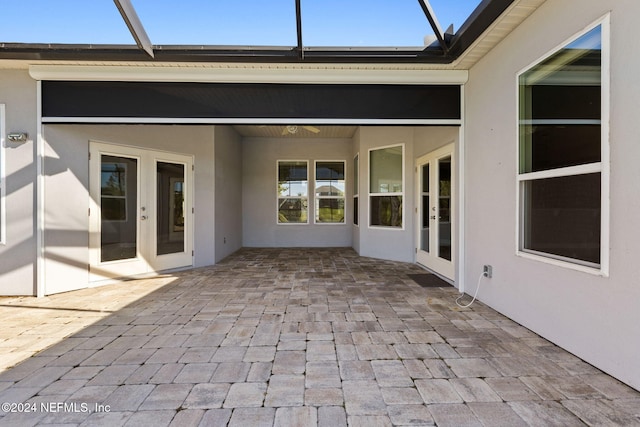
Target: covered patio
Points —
{"points": [[290, 337]]}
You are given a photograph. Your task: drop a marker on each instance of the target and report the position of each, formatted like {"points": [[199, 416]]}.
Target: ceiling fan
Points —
{"points": [[293, 129]]}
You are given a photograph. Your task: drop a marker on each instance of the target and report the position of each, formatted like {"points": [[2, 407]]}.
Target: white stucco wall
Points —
{"points": [[594, 317], [386, 242], [66, 169], [228, 191], [259, 195], [18, 253]]}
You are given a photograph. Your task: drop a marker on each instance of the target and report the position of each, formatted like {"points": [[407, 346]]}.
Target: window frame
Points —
{"points": [[308, 208], [401, 193], [602, 167], [316, 198]]}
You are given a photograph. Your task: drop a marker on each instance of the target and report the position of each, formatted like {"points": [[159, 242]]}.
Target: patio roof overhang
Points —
{"points": [[449, 47]]}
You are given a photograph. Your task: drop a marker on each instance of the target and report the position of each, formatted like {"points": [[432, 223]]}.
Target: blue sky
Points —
{"points": [[229, 22]]}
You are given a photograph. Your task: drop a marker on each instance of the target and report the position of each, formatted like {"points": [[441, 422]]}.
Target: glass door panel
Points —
{"points": [[118, 207], [170, 224], [425, 209], [444, 208]]}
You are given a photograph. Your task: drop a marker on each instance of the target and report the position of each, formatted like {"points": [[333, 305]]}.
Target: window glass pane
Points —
{"points": [[557, 146], [386, 170], [330, 210], [425, 209], [444, 208], [292, 211], [573, 101], [560, 107], [356, 171], [330, 179], [386, 211], [562, 216], [292, 179], [355, 210]]}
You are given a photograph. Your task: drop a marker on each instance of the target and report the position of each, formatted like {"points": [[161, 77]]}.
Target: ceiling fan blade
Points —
{"points": [[312, 129]]}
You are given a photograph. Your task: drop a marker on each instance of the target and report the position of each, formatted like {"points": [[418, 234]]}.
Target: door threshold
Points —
{"points": [[149, 275]]}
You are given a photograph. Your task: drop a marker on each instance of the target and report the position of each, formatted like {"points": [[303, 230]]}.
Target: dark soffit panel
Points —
{"points": [[69, 99]]}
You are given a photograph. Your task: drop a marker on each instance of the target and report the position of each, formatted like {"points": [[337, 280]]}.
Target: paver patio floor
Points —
{"points": [[289, 337]]}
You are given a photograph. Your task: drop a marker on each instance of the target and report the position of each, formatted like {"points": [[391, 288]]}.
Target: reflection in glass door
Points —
{"points": [[435, 217], [141, 217], [118, 202]]}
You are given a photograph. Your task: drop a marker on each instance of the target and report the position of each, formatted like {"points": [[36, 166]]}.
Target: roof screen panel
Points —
{"points": [[335, 23], [362, 23], [63, 21], [221, 22], [70, 100]]}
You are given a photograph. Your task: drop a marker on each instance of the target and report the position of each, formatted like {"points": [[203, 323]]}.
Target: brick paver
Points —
{"points": [[289, 337]]}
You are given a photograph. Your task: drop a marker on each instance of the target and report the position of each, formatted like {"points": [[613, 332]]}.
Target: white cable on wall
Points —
{"points": [[474, 296]]}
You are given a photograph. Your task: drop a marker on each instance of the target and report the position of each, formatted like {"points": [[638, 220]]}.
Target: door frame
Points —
{"points": [[147, 262], [440, 266]]}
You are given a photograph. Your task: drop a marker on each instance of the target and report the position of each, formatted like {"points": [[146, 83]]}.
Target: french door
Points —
{"points": [[436, 202], [141, 211]]}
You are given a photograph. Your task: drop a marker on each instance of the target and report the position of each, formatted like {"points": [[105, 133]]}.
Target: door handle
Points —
{"points": [[143, 217]]}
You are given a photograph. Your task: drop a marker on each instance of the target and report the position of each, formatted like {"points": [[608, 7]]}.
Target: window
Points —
{"points": [[2, 180], [356, 191], [293, 192], [386, 186], [330, 192], [561, 180]]}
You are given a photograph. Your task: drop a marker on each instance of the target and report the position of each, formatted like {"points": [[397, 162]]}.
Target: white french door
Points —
{"points": [[435, 213], [141, 211]]}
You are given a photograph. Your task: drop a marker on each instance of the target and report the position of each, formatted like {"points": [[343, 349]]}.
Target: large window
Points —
{"points": [[330, 192], [386, 186], [561, 180], [293, 207]]}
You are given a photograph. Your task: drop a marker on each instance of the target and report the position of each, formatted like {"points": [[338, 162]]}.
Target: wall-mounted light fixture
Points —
{"points": [[18, 136]]}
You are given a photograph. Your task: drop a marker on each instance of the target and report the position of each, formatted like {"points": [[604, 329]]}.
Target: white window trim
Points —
{"points": [[291, 224], [316, 197], [603, 167], [3, 191], [370, 194]]}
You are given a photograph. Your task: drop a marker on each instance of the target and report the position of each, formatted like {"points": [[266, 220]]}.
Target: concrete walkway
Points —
{"points": [[289, 337]]}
